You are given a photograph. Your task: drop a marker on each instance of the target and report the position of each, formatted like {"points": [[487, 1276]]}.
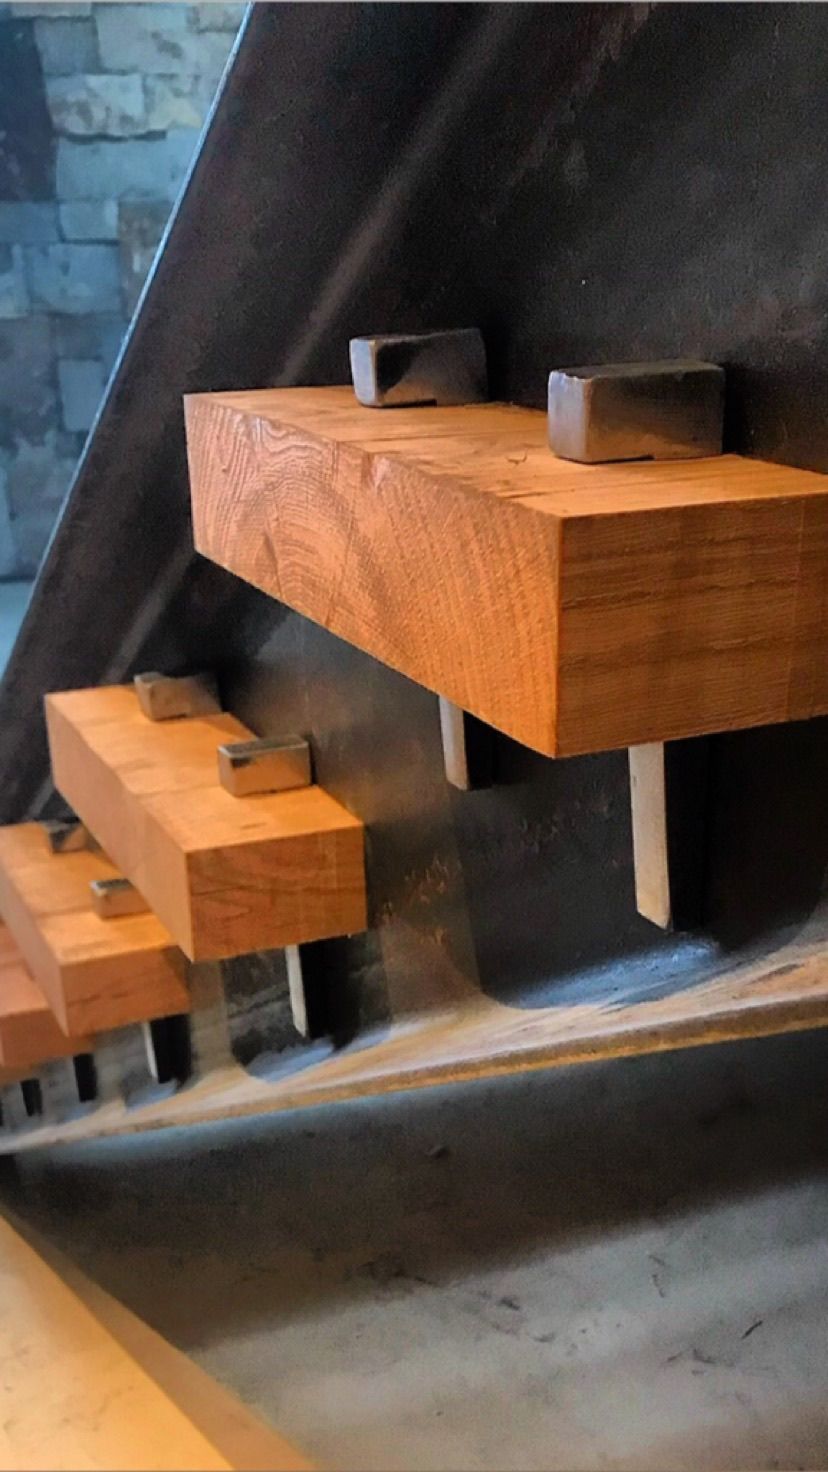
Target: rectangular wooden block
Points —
{"points": [[29, 1031], [575, 607], [226, 875], [95, 974]]}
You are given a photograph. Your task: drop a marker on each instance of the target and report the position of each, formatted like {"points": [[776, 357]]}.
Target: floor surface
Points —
{"points": [[621, 1266]]}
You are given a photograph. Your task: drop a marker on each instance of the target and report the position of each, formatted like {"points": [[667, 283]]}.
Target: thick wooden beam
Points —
{"points": [[30, 1033], [226, 875], [576, 607], [95, 974]]}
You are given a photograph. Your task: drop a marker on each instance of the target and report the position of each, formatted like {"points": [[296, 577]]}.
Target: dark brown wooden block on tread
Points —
{"points": [[225, 874], [576, 607], [95, 974], [29, 1031]]}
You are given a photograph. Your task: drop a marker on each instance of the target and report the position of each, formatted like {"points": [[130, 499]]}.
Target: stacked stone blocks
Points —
{"points": [[118, 94]]}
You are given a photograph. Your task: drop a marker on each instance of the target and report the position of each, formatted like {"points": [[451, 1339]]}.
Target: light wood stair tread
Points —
{"points": [[226, 875], [577, 608], [95, 974], [30, 1033]]}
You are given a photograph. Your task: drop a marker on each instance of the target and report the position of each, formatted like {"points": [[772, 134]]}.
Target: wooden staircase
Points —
{"points": [[577, 608], [226, 875], [30, 1033], [214, 876], [223, 876], [94, 974]]}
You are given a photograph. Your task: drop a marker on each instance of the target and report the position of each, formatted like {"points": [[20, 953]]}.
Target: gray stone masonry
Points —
{"points": [[97, 336], [29, 9], [89, 219], [93, 103], [135, 166], [74, 279], [140, 227], [161, 40], [8, 550], [24, 222], [28, 388], [66, 46], [81, 385], [125, 88], [217, 17], [14, 295]]}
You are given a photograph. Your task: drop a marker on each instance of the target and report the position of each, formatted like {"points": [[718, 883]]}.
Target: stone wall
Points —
{"points": [[100, 109]]}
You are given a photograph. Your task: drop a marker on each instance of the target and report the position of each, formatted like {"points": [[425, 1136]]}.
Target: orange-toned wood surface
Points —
{"points": [[95, 974], [29, 1031], [576, 607], [226, 875]]}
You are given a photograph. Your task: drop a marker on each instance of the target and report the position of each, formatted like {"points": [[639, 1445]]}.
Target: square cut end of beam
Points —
{"points": [[308, 885], [670, 410]]}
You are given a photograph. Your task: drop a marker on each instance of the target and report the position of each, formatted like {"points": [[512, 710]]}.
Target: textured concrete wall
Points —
{"points": [[100, 109]]}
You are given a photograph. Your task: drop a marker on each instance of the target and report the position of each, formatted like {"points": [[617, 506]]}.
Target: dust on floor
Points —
{"points": [[616, 1266]]}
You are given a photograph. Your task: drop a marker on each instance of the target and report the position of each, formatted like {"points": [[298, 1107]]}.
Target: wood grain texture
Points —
{"points": [[95, 974], [786, 991], [575, 607], [29, 1031], [226, 875]]}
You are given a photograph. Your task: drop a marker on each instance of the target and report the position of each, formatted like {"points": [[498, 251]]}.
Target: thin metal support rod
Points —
{"points": [[648, 798]]}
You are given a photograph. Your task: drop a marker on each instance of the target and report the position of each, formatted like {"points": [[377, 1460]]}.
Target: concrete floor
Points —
{"points": [[615, 1266]]}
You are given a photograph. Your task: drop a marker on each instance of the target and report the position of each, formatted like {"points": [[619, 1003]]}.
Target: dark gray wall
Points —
{"points": [[623, 182], [586, 182]]}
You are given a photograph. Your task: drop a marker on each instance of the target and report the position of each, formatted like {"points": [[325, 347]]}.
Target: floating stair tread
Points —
{"points": [[95, 974], [226, 875], [29, 1031], [576, 607]]}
